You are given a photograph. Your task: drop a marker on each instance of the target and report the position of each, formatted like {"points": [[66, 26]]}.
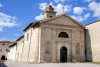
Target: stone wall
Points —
{"points": [[49, 32], [47, 43], [12, 54], [29, 55], [20, 45], [4, 52], [92, 41]]}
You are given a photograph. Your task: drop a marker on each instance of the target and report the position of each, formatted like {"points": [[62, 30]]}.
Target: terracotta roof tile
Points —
{"points": [[31, 24], [7, 41], [92, 22], [13, 45], [20, 38]]}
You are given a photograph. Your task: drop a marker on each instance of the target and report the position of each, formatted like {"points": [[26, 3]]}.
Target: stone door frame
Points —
{"points": [[60, 45]]}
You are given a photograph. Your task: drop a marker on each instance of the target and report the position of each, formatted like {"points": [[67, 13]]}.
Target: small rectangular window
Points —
{"points": [[6, 49], [3, 44], [8, 44], [0, 49], [27, 36]]}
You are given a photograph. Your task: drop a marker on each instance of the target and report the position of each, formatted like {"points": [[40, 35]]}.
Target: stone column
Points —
{"points": [[73, 45], [41, 44], [54, 45]]}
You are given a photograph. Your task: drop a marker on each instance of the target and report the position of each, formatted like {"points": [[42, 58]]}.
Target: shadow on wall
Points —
{"points": [[88, 51], [2, 64]]}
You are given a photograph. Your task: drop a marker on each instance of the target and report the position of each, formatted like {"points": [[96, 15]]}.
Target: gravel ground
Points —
{"points": [[19, 64]]}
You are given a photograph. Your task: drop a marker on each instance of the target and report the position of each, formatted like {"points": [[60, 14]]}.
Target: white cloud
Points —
{"points": [[2, 39], [78, 10], [7, 21], [40, 17], [42, 5], [1, 28], [58, 9], [86, 16], [80, 18], [1, 5], [56, 1], [18, 34], [88, 0], [96, 9]]}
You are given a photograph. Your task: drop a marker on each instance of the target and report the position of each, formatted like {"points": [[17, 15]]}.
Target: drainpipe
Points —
{"points": [[29, 44]]}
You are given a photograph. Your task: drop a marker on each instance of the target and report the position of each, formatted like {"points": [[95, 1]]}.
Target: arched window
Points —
{"points": [[78, 48], [47, 47], [63, 35]]}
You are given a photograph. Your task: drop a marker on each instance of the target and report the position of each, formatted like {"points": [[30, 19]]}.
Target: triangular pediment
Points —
{"points": [[63, 19]]}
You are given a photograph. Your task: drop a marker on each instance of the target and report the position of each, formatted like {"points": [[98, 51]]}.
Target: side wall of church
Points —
{"points": [[49, 36], [93, 42], [12, 54], [30, 44], [33, 53], [19, 52], [27, 37]]}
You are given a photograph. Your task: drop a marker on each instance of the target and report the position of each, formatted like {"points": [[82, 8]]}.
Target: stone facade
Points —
{"points": [[46, 40], [50, 32], [93, 41], [4, 48]]}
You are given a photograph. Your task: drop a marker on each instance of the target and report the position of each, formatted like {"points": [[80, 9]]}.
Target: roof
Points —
{"points": [[13, 45], [49, 6], [20, 38], [7, 41], [31, 24], [34, 23], [63, 15], [92, 22]]}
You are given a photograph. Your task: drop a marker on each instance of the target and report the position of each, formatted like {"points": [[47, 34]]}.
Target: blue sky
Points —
{"points": [[15, 15]]}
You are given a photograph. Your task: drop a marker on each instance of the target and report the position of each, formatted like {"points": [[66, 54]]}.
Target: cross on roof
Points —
{"points": [[63, 9], [49, 1]]}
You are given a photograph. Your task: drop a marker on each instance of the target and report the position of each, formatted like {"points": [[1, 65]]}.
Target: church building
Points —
{"points": [[54, 39]]}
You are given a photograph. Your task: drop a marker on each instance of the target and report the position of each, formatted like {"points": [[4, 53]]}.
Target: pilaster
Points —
{"points": [[54, 45], [73, 45], [41, 44], [83, 46]]}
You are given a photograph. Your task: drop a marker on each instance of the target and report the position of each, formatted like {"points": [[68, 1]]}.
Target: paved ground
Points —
{"points": [[17, 64]]}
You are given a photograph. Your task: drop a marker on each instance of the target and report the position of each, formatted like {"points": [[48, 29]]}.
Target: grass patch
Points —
{"points": [[91, 62], [32, 63]]}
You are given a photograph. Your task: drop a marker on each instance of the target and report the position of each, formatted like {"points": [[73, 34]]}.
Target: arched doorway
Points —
{"points": [[3, 57], [63, 54]]}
